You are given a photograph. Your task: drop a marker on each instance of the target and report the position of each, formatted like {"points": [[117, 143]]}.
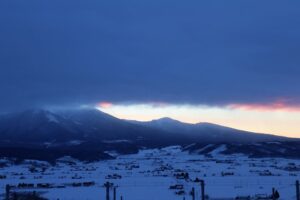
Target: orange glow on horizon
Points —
{"points": [[105, 104], [275, 106]]}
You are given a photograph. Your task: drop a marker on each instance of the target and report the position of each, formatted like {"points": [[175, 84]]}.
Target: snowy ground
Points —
{"points": [[149, 174]]}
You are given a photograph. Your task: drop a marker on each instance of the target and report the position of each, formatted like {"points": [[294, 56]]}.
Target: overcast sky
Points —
{"points": [[215, 53]]}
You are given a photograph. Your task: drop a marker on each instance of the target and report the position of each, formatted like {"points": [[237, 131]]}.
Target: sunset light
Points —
{"points": [[105, 104], [257, 118]]}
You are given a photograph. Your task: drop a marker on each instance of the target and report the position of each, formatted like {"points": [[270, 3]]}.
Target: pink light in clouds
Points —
{"points": [[105, 104], [275, 106]]}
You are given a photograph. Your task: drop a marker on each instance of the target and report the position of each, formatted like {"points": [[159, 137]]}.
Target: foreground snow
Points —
{"points": [[149, 174]]}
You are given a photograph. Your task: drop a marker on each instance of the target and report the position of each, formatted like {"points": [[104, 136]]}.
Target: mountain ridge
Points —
{"points": [[172, 125], [81, 124], [89, 130]]}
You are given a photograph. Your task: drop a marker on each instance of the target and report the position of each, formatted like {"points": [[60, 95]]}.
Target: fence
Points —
{"points": [[198, 191], [274, 194]]}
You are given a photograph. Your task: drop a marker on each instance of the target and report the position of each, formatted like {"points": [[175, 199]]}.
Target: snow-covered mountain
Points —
{"points": [[87, 133], [77, 130], [42, 126], [34, 126]]}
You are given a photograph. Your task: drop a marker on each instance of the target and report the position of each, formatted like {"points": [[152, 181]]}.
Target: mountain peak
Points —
{"points": [[91, 114], [166, 119]]}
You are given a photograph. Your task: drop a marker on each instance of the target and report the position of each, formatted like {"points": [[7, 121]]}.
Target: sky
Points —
{"points": [[278, 122], [233, 62]]}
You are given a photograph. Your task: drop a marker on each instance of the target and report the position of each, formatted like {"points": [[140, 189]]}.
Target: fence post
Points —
{"points": [[297, 190], [121, 198], [107, 186], [15, 196], [273, 193], [7, 191], [202, 190], [193, 193], [115, 193]]}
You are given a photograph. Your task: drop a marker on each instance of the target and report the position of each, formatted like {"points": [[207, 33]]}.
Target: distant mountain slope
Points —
{"points": [[36, 126], [282, 149], [75, 132], [209, 133], [75, 126]]}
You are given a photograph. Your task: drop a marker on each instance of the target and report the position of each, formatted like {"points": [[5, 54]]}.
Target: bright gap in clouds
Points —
{"points": [[280, 122]]}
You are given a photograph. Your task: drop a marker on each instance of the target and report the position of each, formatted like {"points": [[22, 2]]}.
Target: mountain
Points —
{"points": [[81, 133], [42, 126], [208, 133], [36, 126], [89, 134], [97, 125]]}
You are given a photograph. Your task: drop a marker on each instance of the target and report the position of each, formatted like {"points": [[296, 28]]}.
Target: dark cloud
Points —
{"points": [[56, 52]]}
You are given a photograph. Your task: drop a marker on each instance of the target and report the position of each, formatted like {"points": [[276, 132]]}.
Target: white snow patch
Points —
{"points": [[218, 150], [52, 118], [204, 148]]}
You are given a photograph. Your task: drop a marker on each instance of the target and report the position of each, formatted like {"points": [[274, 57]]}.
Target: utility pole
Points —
{"points": [[121, 198], [202, 190], [297, 190]]}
